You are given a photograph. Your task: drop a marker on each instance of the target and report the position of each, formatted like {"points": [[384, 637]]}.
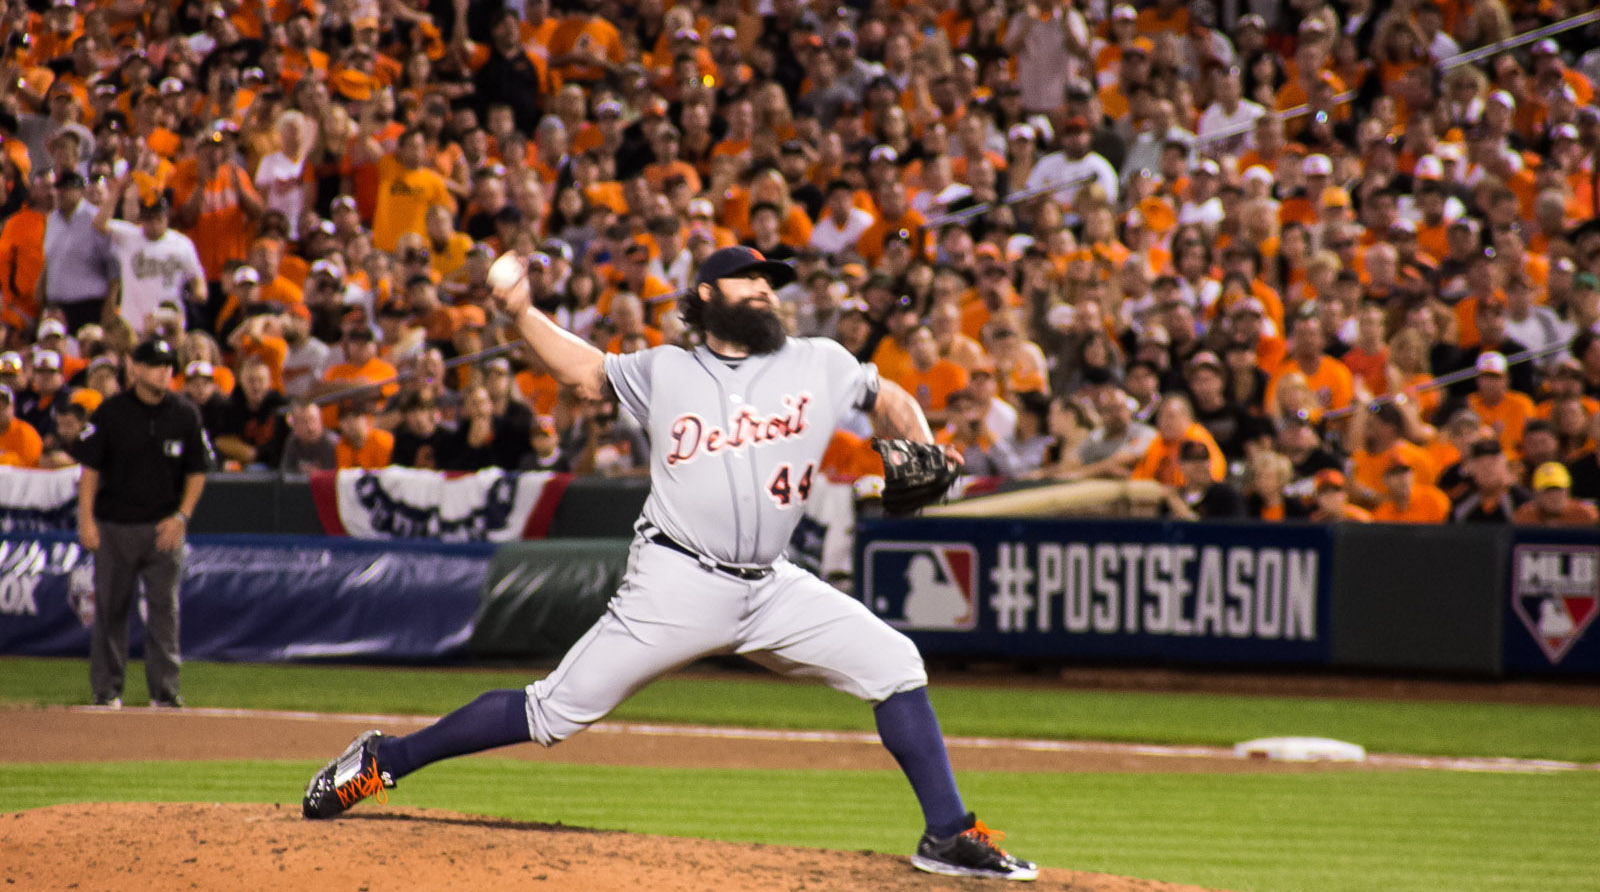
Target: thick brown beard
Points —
{"points": [[759, 330]]}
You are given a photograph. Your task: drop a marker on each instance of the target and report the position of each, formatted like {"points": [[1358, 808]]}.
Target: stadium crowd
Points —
{"points": [[1095, 240]]}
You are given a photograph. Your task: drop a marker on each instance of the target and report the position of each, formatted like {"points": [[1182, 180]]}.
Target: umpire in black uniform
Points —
{"points": [[144, 458]]}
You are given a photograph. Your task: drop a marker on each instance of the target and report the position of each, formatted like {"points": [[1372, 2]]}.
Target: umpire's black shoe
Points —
{"points": [[971, 853], [350, 778]]}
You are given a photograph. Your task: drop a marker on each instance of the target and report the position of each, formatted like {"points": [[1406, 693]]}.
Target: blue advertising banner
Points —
{"points": [[257, 598], [1554, 590], [1102, 589]]}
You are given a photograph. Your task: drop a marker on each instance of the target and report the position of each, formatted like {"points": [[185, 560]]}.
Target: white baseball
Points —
{"points": [[508, 277]]}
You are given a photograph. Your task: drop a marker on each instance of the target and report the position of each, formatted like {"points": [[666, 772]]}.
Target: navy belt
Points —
{"points": [[749, 574]]}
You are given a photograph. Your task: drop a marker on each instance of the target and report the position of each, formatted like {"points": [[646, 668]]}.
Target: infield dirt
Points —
{"points": [[160, 846], [134, 846]]}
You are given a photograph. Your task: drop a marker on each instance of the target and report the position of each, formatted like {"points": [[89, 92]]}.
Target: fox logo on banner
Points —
{"points": [[923, 586], [1555, 590]]}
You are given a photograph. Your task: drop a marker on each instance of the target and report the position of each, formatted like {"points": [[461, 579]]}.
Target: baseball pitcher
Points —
{"points": [[737, 430]]}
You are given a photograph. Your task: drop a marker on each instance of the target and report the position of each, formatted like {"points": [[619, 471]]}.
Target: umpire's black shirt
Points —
{"points": [[143, 453]]}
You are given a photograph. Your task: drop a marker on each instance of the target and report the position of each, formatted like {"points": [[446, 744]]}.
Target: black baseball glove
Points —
{"points": [[915, 475]]}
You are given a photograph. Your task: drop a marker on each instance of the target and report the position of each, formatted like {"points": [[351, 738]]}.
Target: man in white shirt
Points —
{"points": [[308, 357], [1074, 166], [841, 223], [1204, 205], [1047, 45], [159, 264], [1230, 113]]}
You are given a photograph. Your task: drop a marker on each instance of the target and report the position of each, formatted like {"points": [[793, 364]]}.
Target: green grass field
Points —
{"points": [[1436, 830], [1442, 729]]}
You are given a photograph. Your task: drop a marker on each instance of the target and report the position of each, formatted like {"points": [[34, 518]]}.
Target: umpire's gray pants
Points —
{"points": [[127, 555]]}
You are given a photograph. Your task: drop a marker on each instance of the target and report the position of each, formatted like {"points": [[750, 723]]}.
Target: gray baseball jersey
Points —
{"points": [[735, 445]]}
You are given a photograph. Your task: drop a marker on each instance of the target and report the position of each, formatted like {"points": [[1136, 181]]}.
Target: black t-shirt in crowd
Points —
{"points": [[143, 453], [262, 427], [435, 451], [1230, 426], [1472, 508], [1220, 500], [1585, 471]]}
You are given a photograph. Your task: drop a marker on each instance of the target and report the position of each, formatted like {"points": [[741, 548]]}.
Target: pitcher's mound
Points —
{"points": [[199, 846]]}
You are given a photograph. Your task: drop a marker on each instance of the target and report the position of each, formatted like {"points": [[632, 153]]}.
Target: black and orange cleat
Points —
{"points": [[348, 779], [973, 852]]}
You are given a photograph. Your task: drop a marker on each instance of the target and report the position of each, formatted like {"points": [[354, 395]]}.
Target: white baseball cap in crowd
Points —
{"points": [[200, 369], [1061, 316], [1317, 165], [1491, 363], [52, 328], [1428, 168]]}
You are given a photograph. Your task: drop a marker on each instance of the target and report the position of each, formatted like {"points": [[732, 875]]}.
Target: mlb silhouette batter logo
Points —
{"points": [[1555, 591], [922, 586]]}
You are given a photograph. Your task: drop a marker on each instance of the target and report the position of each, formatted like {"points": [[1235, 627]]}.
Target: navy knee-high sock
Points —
{"points": [[910, 732], [497, 718]]}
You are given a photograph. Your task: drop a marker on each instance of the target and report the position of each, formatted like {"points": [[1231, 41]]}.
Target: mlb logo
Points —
{"points": [[922, 586], [1555, 591]]}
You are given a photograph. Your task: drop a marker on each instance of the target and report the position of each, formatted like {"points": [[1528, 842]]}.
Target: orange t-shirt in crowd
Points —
{"points": [[20, 446], [1367, 468], [849, 456], [870, 244], [1369, 368], [594, 32], [932, 388], [975, 314], [1331, 383], [223, 231], [541, 391], [1578, 514], [21, 262], [1160, 461], [221, 374], [373, 454], [892, 360], [272, 350], [1507, 417], [371, 372], [283, 290], [1545, 407], [1429, 504]]}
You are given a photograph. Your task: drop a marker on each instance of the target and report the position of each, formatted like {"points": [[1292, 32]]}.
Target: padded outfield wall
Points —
{"points": [[1459, 600]]}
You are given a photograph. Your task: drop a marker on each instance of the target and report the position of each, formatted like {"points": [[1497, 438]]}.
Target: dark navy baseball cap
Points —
{"points": [[727, 263], [156, 351]]}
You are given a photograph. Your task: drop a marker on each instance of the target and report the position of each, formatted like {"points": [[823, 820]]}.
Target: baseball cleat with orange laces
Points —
{"points": [[348, 779], [973, 852]]}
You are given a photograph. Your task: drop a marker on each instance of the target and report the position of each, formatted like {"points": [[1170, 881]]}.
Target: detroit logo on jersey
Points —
{"points": [[693, 435], [923, 586], [1554, 591]]}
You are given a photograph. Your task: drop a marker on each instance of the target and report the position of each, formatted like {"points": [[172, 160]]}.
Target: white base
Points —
{"points": [[1300, 749]]}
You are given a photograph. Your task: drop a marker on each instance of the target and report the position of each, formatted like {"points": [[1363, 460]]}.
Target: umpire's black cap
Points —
{"points": [[739, 260], [154, 352]]}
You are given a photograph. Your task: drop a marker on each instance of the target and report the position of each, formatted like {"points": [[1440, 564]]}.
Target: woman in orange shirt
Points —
{"points": [[1270, 473], [1407, 370], [1398, 48]]}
